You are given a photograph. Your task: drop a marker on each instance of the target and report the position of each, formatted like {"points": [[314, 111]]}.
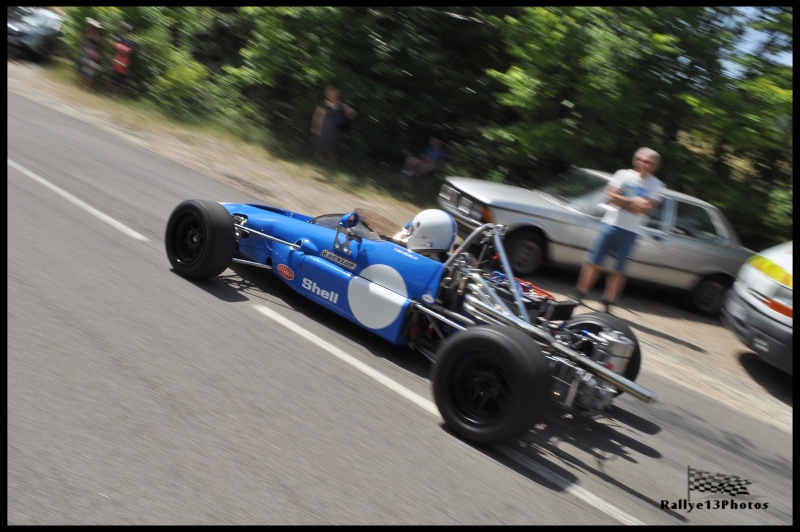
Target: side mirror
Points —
{"points": [[349, 220], [342, 241]]}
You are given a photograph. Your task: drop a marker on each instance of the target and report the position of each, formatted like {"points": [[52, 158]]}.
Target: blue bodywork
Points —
{"points": [[374, 285]]}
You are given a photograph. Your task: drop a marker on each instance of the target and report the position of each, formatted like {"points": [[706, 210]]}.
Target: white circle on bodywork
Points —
{"points": [[377, 296]]}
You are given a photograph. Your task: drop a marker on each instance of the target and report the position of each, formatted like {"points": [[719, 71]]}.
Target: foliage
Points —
{"points": [[409, 73], [516, 93], [183, 90]]}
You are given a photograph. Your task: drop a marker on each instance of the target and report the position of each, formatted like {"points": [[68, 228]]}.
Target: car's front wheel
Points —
{"points": [[200, 239], [525, 251], [491, 383], [708, 295]]}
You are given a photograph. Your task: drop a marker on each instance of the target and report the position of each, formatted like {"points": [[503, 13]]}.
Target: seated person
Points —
{"points": [[430, 158], [431, 233]]}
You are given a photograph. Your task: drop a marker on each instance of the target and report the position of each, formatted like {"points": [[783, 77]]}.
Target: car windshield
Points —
{"points": [[361, 230], [39, 19], [17, 13], [577, 188]]}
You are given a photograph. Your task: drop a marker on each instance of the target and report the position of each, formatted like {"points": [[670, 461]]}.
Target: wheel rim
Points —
{"points": [[709, 295], [481, 392], [189, 239], [525, 256]]}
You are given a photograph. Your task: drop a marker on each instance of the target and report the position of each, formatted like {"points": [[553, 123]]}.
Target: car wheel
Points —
{"points": [[706, 298], [14, 52], [491, 383], [596, 322], [525, 250], [200, 239]]}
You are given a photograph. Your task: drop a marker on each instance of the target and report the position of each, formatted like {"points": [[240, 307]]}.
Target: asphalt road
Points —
{"points": [[137, 397]]}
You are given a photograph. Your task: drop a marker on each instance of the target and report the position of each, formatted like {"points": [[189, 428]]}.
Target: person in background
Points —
{"points": [[330, 119], [631, 195], [429, 159], [91, 48], [121, 62]]}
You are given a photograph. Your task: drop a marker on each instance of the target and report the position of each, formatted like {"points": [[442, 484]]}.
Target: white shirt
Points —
{"points": [[631, 184]]}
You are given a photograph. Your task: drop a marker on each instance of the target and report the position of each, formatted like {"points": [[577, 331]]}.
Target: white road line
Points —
{"points": [[582, 494], [85, 206], [428, 406], [423, 403]]}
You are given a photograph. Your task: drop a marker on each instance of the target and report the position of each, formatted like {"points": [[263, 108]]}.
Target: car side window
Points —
{"points": [[654, 221], [694, 220]]}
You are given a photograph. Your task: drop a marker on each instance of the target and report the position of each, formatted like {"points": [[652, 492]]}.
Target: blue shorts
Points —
{"points": [[613, 239]]}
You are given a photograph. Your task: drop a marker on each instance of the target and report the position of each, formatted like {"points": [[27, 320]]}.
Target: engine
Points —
{"points": [[588, 360], [576, 387]]}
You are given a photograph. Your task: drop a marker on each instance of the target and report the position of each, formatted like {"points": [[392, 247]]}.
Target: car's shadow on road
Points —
{"points": [[774, 381], [543, 455]]}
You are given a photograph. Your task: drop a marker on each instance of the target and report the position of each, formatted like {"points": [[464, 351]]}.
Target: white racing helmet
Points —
{"points": [[431, 230]]}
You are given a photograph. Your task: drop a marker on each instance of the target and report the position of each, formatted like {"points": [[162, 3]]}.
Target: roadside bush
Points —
{"points": [[185, 92]]}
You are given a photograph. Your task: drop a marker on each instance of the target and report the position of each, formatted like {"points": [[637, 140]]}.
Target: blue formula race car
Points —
{"points": [[504, 352]]}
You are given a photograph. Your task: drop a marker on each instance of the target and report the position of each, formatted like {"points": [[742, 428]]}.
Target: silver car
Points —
{"points": [[688, 244], [33, 31]]}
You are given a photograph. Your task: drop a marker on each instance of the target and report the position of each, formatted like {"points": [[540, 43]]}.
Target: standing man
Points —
{"points": [[631, 195], [90, 52], [330, 119]]}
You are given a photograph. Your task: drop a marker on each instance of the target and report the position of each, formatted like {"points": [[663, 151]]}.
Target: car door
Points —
{"points": [[677, 244], [578, 230]]}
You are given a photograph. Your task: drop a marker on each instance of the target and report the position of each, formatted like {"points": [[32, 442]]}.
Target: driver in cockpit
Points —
{"points": [[431, 233]]}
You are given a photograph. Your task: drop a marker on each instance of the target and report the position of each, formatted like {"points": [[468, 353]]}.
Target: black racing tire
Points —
{"points": [[491, 383], [596, 322], [707, 296], [200, 239], [525, 250]]}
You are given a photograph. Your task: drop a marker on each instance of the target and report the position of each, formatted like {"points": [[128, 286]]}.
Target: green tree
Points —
{"points": [[746, 123], [516, 93], [591, 84], [409, 72]]}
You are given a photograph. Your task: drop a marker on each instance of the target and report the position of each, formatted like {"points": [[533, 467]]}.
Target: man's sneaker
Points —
{"points": [[606, 306]]}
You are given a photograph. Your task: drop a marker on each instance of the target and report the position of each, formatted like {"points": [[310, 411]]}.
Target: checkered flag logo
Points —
{"points": [[706, 482]]}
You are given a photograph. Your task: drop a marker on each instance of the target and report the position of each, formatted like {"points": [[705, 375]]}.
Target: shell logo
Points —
{"points": [[286, 272]]}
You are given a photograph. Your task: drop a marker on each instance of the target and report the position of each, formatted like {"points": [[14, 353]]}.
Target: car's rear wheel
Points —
{"points": [[597, 322], [491, 383], [525, 250], [200, 239], [706, 298]]}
